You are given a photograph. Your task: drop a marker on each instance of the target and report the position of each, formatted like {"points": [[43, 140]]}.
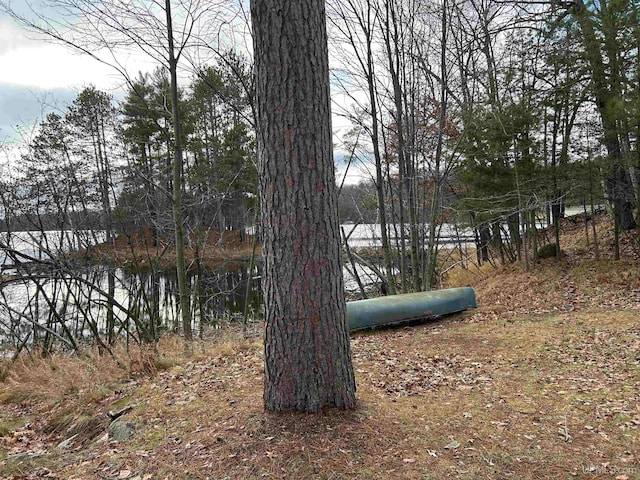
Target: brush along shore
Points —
{"points": [[209, 249]]}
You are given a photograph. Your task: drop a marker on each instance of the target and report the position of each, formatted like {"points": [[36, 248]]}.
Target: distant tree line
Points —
{"points": [[86, 221]]}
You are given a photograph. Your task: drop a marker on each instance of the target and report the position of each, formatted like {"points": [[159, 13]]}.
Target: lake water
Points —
{"points": [[140, 305], [20, 246], [370, 234]]}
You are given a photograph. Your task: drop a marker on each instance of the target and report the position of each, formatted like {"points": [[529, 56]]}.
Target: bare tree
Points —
{"points": [[357, 22]]}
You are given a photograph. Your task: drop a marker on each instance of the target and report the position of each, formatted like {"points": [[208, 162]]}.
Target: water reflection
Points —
{"points": [[47, 306]]}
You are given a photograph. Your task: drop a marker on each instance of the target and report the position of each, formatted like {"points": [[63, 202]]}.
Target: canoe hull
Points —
{"points": [[392, 309]]}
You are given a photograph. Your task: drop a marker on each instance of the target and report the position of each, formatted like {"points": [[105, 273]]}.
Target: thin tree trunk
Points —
{"points": [[405, 170], [354, 266], [595, 233], [184, 300], [386, 247]]}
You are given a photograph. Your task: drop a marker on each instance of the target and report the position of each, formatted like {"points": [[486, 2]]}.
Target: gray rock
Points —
{"points": [[22, 457], [67, 443], [120, 430]]}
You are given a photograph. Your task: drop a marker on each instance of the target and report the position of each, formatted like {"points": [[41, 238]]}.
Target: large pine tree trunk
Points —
{"points": [[307, 352]]}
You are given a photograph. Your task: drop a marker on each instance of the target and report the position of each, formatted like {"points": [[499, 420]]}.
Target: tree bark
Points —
{"points": [[307, 351]]}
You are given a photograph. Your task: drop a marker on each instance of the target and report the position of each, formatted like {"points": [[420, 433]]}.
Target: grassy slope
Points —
{"points": [[541, 381]]}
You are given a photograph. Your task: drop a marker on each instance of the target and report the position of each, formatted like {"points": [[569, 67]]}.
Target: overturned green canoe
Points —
{"points": [[392, 309]]}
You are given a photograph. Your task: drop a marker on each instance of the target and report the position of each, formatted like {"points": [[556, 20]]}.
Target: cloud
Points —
{"points": [[12, 37], [22, 108], [39, 63], [44, 65]]}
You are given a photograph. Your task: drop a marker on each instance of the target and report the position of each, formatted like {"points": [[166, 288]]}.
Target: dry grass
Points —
{"points": [[536, 397], [541, 382], [54, 377]]}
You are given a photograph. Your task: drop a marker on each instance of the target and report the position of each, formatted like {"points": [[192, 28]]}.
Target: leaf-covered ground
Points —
{"points": [[542, 381]]}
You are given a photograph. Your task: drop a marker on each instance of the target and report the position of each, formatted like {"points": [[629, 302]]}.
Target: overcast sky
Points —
{"points": [[38, 77]]}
